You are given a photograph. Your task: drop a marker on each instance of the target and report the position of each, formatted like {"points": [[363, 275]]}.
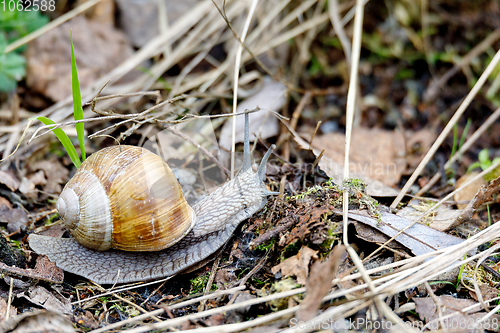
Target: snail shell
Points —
{"points": [[125, 198]]}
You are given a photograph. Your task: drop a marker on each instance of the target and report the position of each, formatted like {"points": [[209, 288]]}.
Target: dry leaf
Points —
{"points": [[482, 196], [5, 202], [38, 178], [99, 48], [56, 175], [27, 188], [418, 144], [419, 238], [426, 308], [16, 218], [319, 283], [468, 192], [371, 235], [86, 319], [3, 310], [486, 291], [9, 180], [375, 153], [139, 19], [298, 265], [263, 124], [40, 321], [51, 301]]}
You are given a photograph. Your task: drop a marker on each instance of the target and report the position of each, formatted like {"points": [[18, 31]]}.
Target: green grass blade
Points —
{"points": [[66, 142], [77, 101]]}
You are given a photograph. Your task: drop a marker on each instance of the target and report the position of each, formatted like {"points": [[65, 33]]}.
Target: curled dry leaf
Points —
{"points": [[298, 265], [38, 321], [9, 180], [418, 238], [467, 193], [51, 301], [482, 196]]}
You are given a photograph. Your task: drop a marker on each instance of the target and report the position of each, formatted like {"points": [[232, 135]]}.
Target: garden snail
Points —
{"points": [[175, 236]]}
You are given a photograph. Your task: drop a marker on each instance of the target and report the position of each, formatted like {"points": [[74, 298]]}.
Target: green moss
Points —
{"points": [[198, 284]]}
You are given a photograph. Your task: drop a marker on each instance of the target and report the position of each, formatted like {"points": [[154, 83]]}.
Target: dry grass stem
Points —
{"points": [[432, 150]]}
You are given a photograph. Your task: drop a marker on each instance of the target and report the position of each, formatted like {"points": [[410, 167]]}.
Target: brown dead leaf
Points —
{"points": [[310, 224], [482, 196], [375, 153], [5, 202], [52, 301], [55, 173], [8, 179], [319, 283], [298, 265], [38, 178], [103, 11], [56, 230], [487, 292], [15, 218], [468, 192], [427, 310], [224, 277], [28, 188], [99, 48]]}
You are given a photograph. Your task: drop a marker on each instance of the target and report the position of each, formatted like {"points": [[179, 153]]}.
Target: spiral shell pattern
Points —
{"points": [[125, 198]]}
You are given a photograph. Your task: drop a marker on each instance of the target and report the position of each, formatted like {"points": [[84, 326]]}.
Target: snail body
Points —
{"points": [[154, 242]]}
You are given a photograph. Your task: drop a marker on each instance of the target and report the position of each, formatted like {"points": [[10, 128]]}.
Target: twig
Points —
{"points": [[170, 307], [210, 281], [9, 300]]}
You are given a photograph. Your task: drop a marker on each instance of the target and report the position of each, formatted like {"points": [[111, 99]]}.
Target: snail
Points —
{"points": [[141, 226]]}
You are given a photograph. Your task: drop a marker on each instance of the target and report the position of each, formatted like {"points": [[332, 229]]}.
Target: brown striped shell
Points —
{"points": [[125, 198]]}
